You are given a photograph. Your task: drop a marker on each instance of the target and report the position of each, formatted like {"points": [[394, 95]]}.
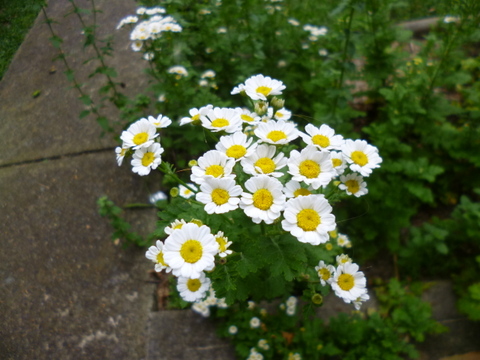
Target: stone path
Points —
{"points": [[67, 291]]}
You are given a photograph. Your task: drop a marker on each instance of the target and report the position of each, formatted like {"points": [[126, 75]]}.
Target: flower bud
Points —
{"points": [[192, 163], [277, 103], [174, 192], [317, 299], [261, 108]]}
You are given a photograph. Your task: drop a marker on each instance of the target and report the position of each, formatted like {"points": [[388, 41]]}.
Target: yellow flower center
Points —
{"points": [[262, 199], [220, 196], [197, 222], [191, 251], [220, 122], [359, 158], [276, 135], [193, 284], [346, 282], [148, 158], [140, 138], [324, 274], [236, 151], [266, 164], [353, 186], [214, 170], [309, 168], [246, 118], [222, 243], [160, 259], [196, 117], [301, 192], [321, 140], [336, 162], [278, 115], [264, 90], [308, 220]]}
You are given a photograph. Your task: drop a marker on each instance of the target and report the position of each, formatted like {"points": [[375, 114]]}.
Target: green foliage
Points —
{"points": [[284, 331]]}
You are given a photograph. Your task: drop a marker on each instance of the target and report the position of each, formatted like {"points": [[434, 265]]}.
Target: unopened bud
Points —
{"points": [[192, 163], [277, 103], [261, 108], [174, 192], [317, 299]]}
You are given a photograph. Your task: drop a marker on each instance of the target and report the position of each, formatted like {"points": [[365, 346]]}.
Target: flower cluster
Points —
{"points": [[259, 168], [150, 23]]}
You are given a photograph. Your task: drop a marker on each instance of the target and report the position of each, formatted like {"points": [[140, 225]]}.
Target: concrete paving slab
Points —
{"points": [[67, 292], [49, 125], [184, 335]]}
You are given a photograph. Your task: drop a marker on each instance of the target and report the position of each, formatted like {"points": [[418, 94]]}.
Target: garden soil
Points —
{"points": [[69, 291]]}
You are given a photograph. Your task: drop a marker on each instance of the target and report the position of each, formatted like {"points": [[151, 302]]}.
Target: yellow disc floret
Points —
{"points": [[214, 170], [359, 158], [148, 158], [220, 122], [301, 192], [262, 199], [266, 164], [220, 196], [140, 138], [193, 284], [321, 140], [309, 168], [191, 251], [308, 219], [276, 135], [264, 90], [236, 151], [353, 186], [346, 282], [324, 274], [160, 259]]}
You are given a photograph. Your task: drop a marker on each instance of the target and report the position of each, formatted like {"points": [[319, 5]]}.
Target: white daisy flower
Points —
{"points": [[309, 218], [323, 138], [264, 161], [237, 146], [141, 10], [293, 189], [201, 308], [311, 166], [232, 329], [223, 244], [148, 56], [349, 283], [338, 161], [140, 134], [209, 74], [121, 152], [160, 121], [186, 192], [265, 199], [353, 184], [127, 20], [177, 224], [255, 322], [195, 114], [190, 250], [212, 164], [137, 45], [193, 289], [263, 344], [343, 241], [248, 117], [219, 195], [293, 22], [343, 259], [360, 300], [155, 253], [276, 132], [363, 158], [258, 87], [146, 159], [281, 114], [222, 119], [178, 70], [238, 89], [325, 272], [155, 10]]}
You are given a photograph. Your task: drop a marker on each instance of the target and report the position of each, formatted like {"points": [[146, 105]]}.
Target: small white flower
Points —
{"points": [[311, 166], [353, 184], [249, 117], [293, 189], [349, 283], [193, 289], [147, 159], [363, 158], [259, 87], [209, 74], [343, 241], [160, 121], [255, 322], [222, 119], [219, 195], [450, 19], [281, 114], [186, 192], [325, 272], [264, 161], [141, 10], [212, 164], [343, 259], [195, 114], [276, 132], [236, 146], [190, 250], [178, 70], [323, 138], [360, 300], [155, 253], [293, 22], [338, 162], [140, 134], [265, 199], [232, 329], [223, 244], [177, 224], [120, 151], [238, 89], [201, 308], [137, 45], [222, 30], [309, 218], [263, 344]]}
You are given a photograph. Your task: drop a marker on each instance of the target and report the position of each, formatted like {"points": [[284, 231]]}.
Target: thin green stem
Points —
{"points": [[344, 58], [442, 60]]}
